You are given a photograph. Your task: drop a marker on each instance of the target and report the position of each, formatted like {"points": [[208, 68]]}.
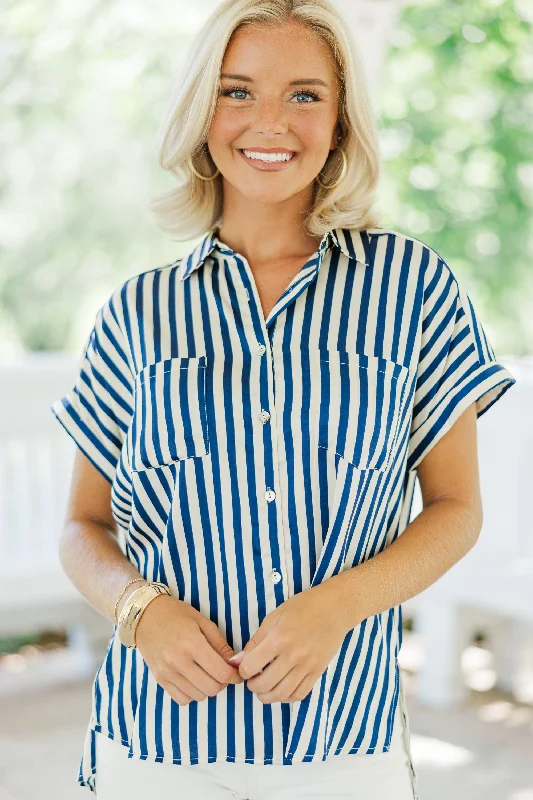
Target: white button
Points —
{"points": [[270, 495], [261, 349], [264, 416], [275, 577]]}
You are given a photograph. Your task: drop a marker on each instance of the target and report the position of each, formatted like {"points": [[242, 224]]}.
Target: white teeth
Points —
{"points": [[268, 156]]}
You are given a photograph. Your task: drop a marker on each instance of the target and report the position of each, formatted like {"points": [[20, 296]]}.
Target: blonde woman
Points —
{"points": [[252, 418]]}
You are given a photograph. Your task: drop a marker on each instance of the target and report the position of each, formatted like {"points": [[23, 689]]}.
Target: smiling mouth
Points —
{"points": [[269, 160]]}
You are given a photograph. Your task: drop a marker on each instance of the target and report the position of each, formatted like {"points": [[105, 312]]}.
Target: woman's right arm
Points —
{"points": [[189, 665]]}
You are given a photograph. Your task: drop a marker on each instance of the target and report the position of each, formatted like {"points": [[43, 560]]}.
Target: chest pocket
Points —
{"points": [[360, 404], [170, 419]]}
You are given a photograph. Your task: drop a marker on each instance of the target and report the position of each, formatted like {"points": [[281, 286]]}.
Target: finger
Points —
{"points": [[213, 657], [175, 692], [202, 680], [302, 690], [285, 688], [236, 659], [213, 664], [255, 663], [263, 646], [255, 660], [272, 674], [187, 686], [200, 651]]}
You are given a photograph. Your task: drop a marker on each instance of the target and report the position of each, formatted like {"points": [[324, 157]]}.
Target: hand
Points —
{"points": [[293, 646], [184, 650]]}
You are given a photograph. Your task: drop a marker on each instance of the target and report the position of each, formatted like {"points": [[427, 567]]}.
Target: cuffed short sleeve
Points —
{"points": [[98, 410], [457, 366]]}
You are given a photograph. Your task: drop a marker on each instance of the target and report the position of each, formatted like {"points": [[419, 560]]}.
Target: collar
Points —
{"points": [[357, 245]]}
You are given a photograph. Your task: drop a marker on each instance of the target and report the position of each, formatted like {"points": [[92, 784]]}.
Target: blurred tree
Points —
{"points": [[86, 85], [456, 122]]}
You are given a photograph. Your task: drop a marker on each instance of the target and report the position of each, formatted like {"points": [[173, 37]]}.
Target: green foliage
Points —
{"points": [[456, 125], [86, 86]]}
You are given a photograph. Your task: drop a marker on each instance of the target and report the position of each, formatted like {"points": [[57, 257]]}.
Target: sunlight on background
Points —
{"points": [[435, 753], [87, 85]]}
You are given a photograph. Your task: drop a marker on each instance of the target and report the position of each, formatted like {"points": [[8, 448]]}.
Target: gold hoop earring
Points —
{"points": [[202, 177], [342, 175]]}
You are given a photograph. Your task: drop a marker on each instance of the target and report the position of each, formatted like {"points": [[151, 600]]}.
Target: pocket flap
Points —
{"points": [[170, 419], [360, 406]]}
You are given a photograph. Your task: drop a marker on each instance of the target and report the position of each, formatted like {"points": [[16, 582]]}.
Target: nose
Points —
{"points": [[270, 118]]}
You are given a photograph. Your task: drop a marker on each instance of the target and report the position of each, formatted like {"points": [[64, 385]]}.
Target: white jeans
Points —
{"points": [[376, 776]]}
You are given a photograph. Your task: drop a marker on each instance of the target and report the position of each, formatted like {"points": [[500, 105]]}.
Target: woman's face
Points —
{"points": [[282, 96]]}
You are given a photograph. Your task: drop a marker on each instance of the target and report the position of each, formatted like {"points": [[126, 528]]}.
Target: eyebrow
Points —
{"points": [[300, 82]]}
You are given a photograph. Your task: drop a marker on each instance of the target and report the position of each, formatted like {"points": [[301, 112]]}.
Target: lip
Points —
{"points": [[273, 166], [268, 149]]}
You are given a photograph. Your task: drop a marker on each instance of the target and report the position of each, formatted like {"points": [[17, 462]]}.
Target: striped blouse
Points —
{"points": [[253, 458]]}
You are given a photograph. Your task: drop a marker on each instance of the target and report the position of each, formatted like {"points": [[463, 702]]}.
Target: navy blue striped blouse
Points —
{"points": [[251, 459]]}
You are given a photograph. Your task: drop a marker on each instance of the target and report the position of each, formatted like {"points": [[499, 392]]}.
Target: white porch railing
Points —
{"points": [[36, 456]]}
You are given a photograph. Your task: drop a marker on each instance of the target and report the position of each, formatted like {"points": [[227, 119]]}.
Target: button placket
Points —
{"points": [[271, 494], [268, 327]]}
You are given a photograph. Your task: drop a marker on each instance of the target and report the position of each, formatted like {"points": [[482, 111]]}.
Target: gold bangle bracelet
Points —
{"points": [[135, 580], [134, 608]]}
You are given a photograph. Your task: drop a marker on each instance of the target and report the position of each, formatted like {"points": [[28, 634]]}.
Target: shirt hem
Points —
{"points": [[238, 759]]}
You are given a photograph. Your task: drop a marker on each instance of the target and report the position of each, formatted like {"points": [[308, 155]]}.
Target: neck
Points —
{"points": [[266, 233]]}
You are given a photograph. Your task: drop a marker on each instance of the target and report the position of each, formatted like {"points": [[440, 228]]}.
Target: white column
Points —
{"points": [[371, 22]]}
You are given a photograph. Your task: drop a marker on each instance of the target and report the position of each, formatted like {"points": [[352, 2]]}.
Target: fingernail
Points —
{"points": [[236, 654]]}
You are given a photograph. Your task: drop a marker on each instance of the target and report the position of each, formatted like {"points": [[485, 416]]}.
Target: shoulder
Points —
{"points": [[417, 255], [131, 296]]}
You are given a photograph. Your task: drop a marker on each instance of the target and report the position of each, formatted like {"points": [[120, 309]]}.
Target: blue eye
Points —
{"points": [[310, 94], [228, 92]]}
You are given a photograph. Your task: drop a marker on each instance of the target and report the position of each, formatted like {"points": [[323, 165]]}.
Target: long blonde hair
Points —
{"points": [[194, 206]]}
